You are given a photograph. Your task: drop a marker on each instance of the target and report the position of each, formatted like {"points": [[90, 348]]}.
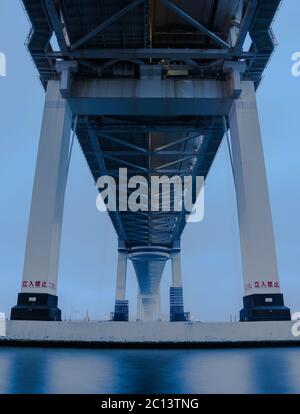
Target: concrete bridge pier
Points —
{"points": [[121, 312], [177, 313], [263, 298], [149, 263], [148, 307], [38, 299]]}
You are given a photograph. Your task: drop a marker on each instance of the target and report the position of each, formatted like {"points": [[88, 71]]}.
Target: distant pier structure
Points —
{"points": [[152, 86]]}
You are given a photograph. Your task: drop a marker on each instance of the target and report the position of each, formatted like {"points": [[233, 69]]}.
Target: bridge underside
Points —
{"points": [[147, 85], [112, 38], [150, 147]]}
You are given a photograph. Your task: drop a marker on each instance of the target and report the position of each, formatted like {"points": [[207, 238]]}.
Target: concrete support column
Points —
{"points": [[121, 305], [121, 276], [177, 313], [149, 263], [176, 269], [38, 300], [263, 299]]}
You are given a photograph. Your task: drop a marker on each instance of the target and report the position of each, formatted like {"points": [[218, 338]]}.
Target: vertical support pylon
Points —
{"points": [[38, 300], [177, 313], [149, 263], [121, 304], [138, 305], [263, 299]]}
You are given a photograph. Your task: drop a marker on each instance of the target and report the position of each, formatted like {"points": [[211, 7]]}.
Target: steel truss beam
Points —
{"points": [[196, 171], [245, 25], [161, 168], [195, 23], [175, 142], [128, 164], [151, 171], [57, 25], [106, 24], [148, 153], [122, 142], [102, 167], [152, 53]]}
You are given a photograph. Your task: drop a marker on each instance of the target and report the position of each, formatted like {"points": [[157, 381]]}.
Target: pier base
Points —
{"points": [[121, 311], [36, 307], [264, 307], [177, 313], [149, 334]]}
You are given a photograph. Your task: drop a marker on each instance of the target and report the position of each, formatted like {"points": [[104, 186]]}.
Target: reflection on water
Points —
{"points": [[46, 370]]}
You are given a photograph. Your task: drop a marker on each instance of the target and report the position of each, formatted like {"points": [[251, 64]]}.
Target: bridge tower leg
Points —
{"points": [[38, 300], [177, 313], [121, 305], [263, 299], [149, 263], [148, 306]]}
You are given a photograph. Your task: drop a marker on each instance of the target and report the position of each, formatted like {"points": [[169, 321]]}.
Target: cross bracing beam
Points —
{"points": [[245, 25], [153, 53], [135, 220], [98, 154], [136, 229], [146, 128], [148, 153], [131, 227], [122, 142], [195, 23], [109, 124], [169, 164], [100, 67], [56, 24], [137, 232], [181, 173], [115, 154], [138, 214], [161, 226], [197, 171], [123, 162], [117, 16], [175, 142], [134, 225]]}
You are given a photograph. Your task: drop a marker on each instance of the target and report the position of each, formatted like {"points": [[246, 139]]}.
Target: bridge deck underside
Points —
{"points": [[150, 25], [147, 147], [114, 39]]}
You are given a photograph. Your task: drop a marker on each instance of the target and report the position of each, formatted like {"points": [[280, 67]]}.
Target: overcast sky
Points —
{"points": [[212, 274]]}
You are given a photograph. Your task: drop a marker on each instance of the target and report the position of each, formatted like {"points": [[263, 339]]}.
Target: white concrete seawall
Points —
{"points": [[159, 333]]}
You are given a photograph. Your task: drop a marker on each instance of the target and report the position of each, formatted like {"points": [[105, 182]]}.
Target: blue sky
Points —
{"points": [[211, 260]]}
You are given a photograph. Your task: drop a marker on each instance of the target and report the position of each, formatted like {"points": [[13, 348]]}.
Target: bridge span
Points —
{"points": [[152, 86]]}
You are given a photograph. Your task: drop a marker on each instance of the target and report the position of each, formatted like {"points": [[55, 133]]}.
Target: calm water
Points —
{"points": [[46, 370]]}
